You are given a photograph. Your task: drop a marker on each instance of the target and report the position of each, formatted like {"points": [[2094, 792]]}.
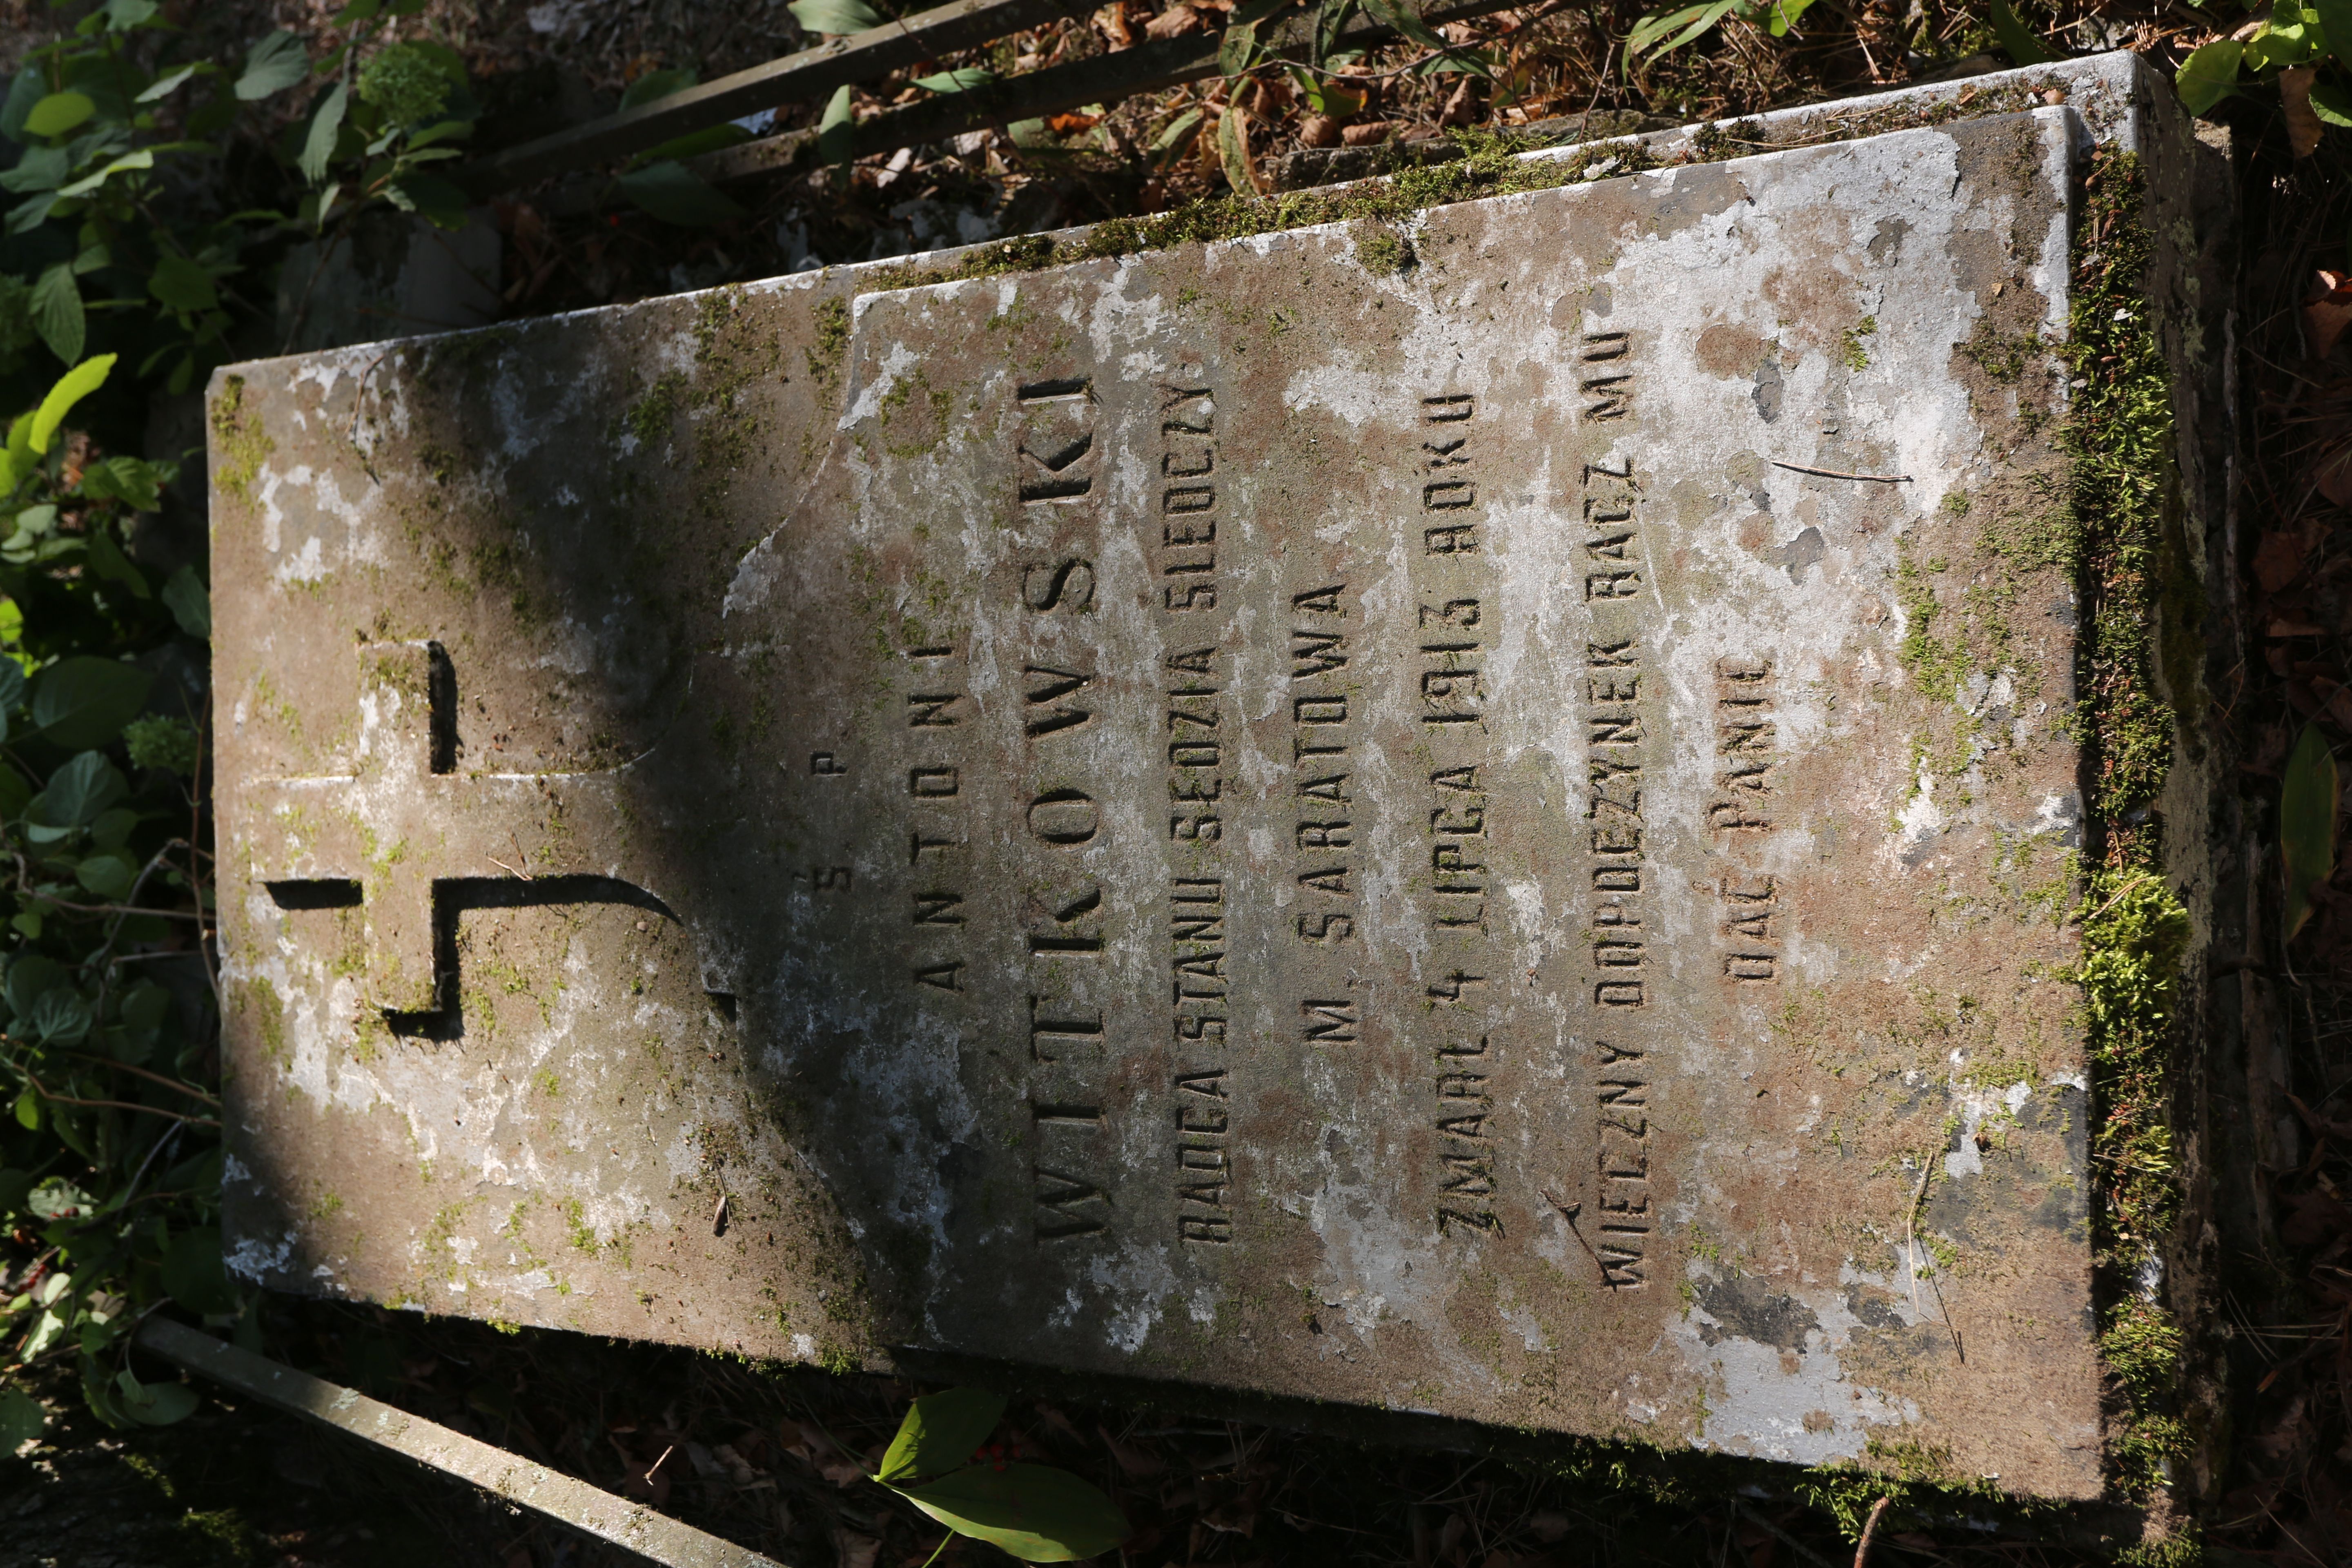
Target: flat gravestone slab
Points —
{"points": [[1232, 814]]}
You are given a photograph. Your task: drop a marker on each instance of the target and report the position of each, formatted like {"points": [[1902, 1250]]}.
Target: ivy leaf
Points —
{"points": [[835, 17], [2308, 823], [673, 194], [2208, 75], [60, 1017], [273, 65], [57, 312], [1036, 1512], [59, 112], [326, 124], [107, 875], [81, 704], [939, 1433], [2021, 45]]}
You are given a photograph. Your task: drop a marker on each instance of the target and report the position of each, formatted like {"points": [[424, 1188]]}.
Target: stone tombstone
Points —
{"points": [[1237, 815]]}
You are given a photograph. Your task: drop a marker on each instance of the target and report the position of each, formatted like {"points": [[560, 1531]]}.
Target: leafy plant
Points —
{"points": [[110, 1162], [1038, 1513], [2290, 47]]}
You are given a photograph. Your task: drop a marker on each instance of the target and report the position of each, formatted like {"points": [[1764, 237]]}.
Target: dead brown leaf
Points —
{"points": [[2327, 311], [851, 1549], [1368, 135], [1175, 22], [1111, 23], [2334, 476], [1319, 131], [2303, 127], [1138, 1464], [1462, 108], [2278, 558]]}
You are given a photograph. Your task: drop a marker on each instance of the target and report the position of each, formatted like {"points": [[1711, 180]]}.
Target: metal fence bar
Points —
{"points": [[808, 75], [575, 1502], [1101, 79]]}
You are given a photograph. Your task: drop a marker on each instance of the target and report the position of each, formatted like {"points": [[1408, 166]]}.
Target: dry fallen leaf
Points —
{"points": [[2278, 558], [2327, 312], [1371, 135], [1462, 108], [1319, 131], [1175, 22], [2303, 127]]}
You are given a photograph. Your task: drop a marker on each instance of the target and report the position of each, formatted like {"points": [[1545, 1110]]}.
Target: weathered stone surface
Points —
{"points": [[1484, 840]]}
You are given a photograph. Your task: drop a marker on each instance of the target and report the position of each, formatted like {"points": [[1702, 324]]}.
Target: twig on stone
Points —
{"points": [[1833, 474]]}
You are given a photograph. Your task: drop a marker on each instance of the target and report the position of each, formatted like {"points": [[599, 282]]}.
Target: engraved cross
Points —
{"points": [[404, 824]]}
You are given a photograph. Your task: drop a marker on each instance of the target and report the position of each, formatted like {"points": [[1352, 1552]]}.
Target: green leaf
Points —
{"points": [[31, 977], [57, 312], [2332, 101], [83, 703], [964, 79], [59, 112], [837, 130], [2022, 45], [656, 84], [940, 1433], [675, 195], [72, 388], [12, 689], [835, 17], [163, 87], [128, 14], [694, 145], [2308, 823], [439, 201], [22, 1419], [2336, 22], [126, 480], [2208, 75], [1400, 17], [273, 65], [1036, 1512], [182, 284], [58, 1017], [326, 124], [1233, 156], [145, 158], [1785, 14], [194, 1274], [109, 876], [191, 605], [153, 1404], [28, 1111], [1179, 132], [25, 90], [107, 559]]}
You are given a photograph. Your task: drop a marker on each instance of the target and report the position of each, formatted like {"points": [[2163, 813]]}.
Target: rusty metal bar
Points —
{"points": [[810, 74], [1102, 79], [576, 1503]]}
